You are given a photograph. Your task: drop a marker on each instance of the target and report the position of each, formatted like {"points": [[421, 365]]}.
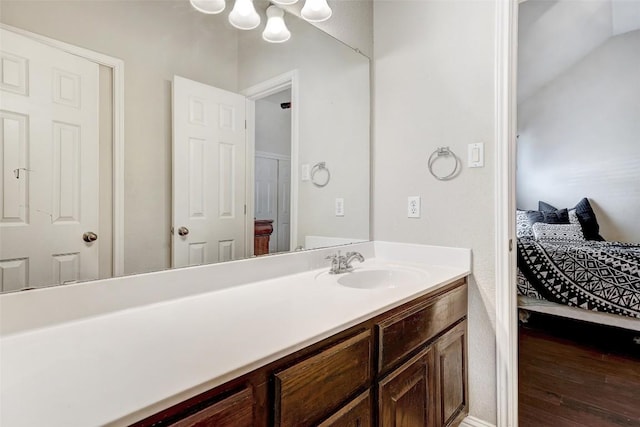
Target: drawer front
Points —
{"points": [[233, 411], [356, 413], [313, 388], [406, 331]]}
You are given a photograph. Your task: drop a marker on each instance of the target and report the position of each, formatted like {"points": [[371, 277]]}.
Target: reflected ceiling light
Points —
{"points": [[244, 15], [316, 11], [208, 6], [284, 2], [276, 30]]}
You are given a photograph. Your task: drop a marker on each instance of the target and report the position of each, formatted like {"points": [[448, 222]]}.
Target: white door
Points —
{"points": [[284, 205], [49, 157], [208, 174], [266, 195]]}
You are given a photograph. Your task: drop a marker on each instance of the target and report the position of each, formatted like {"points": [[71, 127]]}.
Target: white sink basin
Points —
{"points": [[381, 278]]}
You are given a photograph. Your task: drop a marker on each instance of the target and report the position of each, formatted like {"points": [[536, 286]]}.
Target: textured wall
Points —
{"points": [[433, 86]]}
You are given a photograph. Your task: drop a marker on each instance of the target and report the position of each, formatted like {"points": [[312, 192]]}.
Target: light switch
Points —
{"points": [[339, 207], [476, 155], [305, 172]]}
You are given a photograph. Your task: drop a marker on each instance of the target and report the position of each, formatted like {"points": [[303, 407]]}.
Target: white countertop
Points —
{"points": [[119, 367]]}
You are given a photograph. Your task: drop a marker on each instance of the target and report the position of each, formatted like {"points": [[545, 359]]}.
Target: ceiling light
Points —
{"points": [[208, 6], [284, 2], [276, 30], [316, 11], [244, 15]]}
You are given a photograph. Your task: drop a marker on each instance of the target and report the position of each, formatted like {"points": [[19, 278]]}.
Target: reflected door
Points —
{"points": [[209, 149], [49, 157]]}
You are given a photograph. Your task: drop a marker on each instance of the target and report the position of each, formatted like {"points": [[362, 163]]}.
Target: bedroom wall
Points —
{"points": [[579, 138], [434, 86]]}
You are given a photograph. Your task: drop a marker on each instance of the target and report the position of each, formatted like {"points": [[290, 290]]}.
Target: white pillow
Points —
{"points": [[523, 227], [558, 233]]}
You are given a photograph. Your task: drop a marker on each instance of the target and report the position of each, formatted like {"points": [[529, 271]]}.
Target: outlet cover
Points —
{"points": [[413, 207]]}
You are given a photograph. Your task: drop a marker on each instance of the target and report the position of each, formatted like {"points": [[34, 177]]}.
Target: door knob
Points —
{"points": [[89, 237], [183, 231]]}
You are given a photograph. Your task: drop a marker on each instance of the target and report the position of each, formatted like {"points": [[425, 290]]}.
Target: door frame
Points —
{"points": [[505, 66], [117, 67], [288, 80]]}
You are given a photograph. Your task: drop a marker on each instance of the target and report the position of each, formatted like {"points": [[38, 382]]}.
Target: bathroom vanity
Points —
{"points": [[409, 363], [270, 341]]}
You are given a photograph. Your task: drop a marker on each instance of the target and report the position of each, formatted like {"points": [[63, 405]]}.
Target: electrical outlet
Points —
{"points": [[413, 207], [339, 207]]}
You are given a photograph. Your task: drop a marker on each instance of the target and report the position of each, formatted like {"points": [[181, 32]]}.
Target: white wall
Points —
{"points": [[433, 86], [331, 75], [150, 36], [273, 124], [579, 137]]}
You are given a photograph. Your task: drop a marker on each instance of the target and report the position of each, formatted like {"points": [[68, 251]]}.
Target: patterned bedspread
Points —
{"points": [[600, 276]]}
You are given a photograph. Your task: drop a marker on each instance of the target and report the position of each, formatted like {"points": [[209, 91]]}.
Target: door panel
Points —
{"points": [[49, 138], [266, 195], [208, 173]]}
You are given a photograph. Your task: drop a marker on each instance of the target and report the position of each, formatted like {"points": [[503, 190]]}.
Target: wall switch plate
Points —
{"points": [[305, 172], [413, 207], [476, 155], [339, 207]]}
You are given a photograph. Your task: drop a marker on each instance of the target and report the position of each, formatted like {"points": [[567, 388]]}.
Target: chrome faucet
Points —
{"points": [[342, 263]]}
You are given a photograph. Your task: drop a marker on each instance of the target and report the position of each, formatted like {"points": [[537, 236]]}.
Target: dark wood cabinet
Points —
{"points": [[407, 395], [451, 368], [356, 413], [313, 388], [405, 367]]}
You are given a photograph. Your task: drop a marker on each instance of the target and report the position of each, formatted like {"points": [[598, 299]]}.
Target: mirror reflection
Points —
{"points": [[144, 135]]}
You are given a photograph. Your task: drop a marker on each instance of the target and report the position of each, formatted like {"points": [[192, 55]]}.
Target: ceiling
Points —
{"points": [[554, 35]]}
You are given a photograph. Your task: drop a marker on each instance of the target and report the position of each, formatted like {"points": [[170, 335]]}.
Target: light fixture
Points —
{"points": [[244, 15], [276, 30], [208, 6], [316, 11]]}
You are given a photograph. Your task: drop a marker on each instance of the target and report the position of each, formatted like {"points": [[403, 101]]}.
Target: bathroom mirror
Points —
{"points": [[305, 102]]}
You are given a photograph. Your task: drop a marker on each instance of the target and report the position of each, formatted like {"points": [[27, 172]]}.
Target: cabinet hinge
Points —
{"points": [[245, 124], [245, 209], [510, 245]]}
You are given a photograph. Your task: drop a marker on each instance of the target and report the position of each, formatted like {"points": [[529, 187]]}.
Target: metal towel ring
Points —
{"points": [[317, 168], [444, 152]]}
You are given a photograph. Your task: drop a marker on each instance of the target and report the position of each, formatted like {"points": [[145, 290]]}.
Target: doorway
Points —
{"points": [[273, 167]]}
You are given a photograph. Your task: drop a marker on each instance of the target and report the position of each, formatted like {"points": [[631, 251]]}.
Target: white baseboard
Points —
{"points": [[470, 421]]}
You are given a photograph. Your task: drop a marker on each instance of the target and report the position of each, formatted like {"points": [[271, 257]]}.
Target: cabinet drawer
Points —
{"points": [[401, 334], [356, 413], [233, 411], [313, 388]]}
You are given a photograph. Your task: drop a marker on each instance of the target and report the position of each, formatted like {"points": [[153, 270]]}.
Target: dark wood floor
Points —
{"points": [[576, 375]]}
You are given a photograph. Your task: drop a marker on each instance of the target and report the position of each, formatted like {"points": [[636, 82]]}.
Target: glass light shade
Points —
{"points": [[284, 2], [208, 6], [276, 30], [316, 11], [244, 15]]}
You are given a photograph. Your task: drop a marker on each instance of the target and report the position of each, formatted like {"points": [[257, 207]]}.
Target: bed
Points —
{"points": [[571, 271]]}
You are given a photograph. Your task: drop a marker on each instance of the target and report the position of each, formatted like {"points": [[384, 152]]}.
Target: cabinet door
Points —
{"points": [[451, 368], [356, 413], [406, 397], [233, 411]]}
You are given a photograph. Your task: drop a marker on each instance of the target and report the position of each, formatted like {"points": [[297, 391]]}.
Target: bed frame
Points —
{"points": [[542, 306]]}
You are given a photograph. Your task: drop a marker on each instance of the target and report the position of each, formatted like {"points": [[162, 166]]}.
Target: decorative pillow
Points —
{"points": [[558, 233], [560, 216], [586, 217], [523, 228]]}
